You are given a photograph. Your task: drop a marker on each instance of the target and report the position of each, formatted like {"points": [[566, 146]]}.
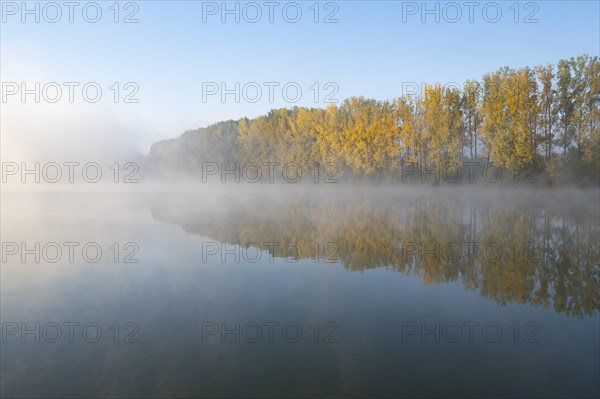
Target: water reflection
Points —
{"points": [[540, 248]]}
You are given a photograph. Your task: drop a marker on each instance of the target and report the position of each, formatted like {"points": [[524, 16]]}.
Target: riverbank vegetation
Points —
{"points": [[543, 118]]}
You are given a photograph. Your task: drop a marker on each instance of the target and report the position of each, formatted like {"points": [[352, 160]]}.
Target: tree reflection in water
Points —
{"points": [[528, 249]]}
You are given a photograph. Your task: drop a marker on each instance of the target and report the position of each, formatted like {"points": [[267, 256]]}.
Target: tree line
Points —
{"points": [[545, 117]]}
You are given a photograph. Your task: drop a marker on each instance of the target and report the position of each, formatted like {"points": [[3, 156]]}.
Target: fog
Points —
{"points": [[175, 267], [341, 199], [366, 263]]}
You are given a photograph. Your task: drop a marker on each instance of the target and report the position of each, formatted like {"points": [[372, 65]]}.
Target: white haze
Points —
{"points": [[63, 131]]}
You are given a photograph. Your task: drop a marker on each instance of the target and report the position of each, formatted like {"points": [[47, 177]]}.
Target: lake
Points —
{"points": [[301, 291]]}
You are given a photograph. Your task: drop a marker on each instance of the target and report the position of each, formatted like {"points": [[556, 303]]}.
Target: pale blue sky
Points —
{"points": [[170, 52]]}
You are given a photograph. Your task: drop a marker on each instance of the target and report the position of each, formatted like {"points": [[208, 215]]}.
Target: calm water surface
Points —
{"points": [[300, 293]]}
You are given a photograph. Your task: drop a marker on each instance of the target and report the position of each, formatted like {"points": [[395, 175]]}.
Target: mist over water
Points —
{"points": [[402, 281], [353, 199]]}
